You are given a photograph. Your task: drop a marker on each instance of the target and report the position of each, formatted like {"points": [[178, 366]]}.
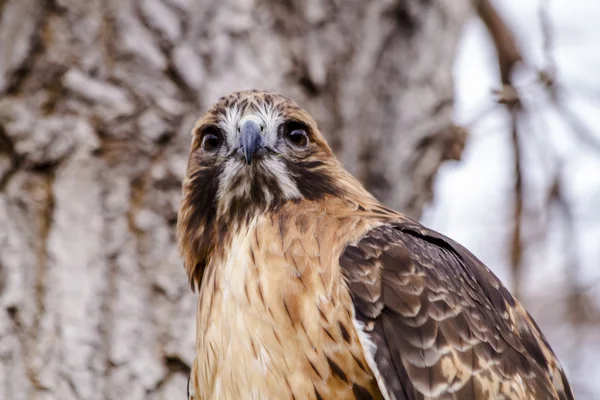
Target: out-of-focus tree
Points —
{"points": [[97, 101]]}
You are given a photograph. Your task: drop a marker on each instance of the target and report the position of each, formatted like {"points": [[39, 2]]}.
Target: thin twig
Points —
{"points": [[578, 127], [547, 78], [516, 253], [549, 75]]}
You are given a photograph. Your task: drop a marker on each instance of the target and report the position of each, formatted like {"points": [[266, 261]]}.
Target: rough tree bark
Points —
{"points": [[97, 101]]}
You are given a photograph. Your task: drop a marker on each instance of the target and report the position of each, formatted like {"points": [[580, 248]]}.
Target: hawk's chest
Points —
{"points": [[274, 320]]}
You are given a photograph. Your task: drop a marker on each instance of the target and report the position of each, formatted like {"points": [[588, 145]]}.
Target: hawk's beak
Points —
{"points": [[251, 139]]}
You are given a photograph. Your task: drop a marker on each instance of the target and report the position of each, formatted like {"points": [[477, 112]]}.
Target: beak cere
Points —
{"points": [[251, 138]]}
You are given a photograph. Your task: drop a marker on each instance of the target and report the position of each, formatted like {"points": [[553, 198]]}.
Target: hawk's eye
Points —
{"points": [[295, 133], [211, 140]]}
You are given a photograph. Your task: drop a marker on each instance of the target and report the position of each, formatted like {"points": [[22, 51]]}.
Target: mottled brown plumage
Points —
{"points": [[309, 288]]}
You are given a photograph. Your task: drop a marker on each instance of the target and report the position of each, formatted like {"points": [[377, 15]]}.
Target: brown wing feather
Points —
{"points": [[443, 325]]}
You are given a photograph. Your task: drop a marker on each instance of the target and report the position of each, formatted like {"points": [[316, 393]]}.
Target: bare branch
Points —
{"points": [[509, 55], [504, 40]]}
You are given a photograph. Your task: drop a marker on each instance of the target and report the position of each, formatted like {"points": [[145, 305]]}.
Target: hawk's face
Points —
{"points": [[255, 150], [251, 152]]}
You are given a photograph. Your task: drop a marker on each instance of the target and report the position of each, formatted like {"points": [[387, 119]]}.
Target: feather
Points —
{"points": [[442, 335]]}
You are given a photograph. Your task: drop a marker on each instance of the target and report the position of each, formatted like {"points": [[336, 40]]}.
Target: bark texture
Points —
{"points": [[97, 99]]}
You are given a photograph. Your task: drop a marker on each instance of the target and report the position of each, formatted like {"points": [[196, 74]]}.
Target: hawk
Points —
{"points": [[310, 288]]}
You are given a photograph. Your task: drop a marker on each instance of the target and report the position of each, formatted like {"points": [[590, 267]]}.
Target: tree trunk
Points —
{"points": [[97, 101]]}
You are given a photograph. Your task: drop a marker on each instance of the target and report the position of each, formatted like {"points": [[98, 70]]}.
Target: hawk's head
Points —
{"points": [[252, 152]]}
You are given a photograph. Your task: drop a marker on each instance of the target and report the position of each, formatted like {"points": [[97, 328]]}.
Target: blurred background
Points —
{"points": [[478, 117]]}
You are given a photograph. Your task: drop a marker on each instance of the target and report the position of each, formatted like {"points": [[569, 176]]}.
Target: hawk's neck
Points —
{"points": [[275, 317]]}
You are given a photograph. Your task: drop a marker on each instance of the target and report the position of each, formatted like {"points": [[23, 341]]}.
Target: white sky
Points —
{"points": [[474, 196]]}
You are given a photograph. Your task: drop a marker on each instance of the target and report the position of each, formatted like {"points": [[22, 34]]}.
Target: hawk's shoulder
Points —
{"points": [[442, 324]]}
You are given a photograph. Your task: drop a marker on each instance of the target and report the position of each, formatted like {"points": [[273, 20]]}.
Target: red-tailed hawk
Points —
{"points": [[310, 288]]}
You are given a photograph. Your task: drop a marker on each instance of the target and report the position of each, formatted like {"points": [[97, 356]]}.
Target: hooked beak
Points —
{"points": [[251, 139]]}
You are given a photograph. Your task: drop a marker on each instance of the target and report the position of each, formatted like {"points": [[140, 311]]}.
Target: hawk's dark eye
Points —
{"points": [[295, 133], [211, 140]]}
